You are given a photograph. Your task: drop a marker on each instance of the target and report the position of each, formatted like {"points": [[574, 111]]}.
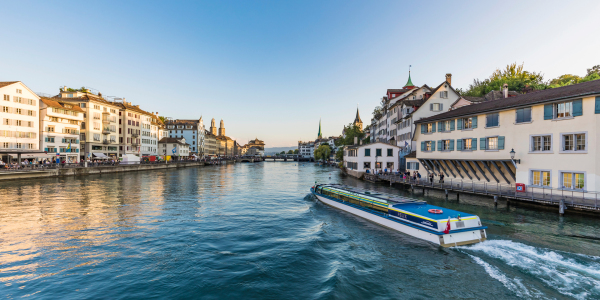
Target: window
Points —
{"points": [[19, 91], [367, 152], [446, 126], [574, 181], [523, 115], [6, 98], [467, 144], [366, 165], [429, 128], [428, 146], [492, 143], [377, 152], [444, 94], [574, 142], [541, 143], [563, 110], [390, 152], [540, 178], [445, 145], [435, 107], [492, 120]]}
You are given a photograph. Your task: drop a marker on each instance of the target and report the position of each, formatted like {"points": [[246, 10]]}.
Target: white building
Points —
{"points": [[174, 147], [59, 127], [374, 157], [192, 130], [306, 149], [20, 127]]}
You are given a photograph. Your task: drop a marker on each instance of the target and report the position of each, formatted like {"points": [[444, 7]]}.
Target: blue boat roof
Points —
{"points": [[422, 209]]}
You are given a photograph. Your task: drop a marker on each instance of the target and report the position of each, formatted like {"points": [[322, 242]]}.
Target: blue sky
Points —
{"points": [[271, 69]]}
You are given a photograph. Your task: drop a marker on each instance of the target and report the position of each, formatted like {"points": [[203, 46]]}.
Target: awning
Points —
{"points": [[33, 155], [100, 155]]}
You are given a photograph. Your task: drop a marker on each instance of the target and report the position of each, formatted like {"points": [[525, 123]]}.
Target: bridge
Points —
{"points": [[286, 157]]}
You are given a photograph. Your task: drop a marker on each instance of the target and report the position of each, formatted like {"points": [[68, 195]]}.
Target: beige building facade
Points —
{"points": [[554, 134]]}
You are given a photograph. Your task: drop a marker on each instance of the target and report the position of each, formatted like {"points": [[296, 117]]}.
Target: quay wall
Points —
{"points": [[81, 171]]}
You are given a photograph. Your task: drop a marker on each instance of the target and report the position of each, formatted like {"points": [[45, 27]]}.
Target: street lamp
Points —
{"points": [[512, 157]]}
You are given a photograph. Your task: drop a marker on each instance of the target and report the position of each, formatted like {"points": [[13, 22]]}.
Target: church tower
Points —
{"points": [[320, 136], [221, 129], [213, 129], [357, 122]]}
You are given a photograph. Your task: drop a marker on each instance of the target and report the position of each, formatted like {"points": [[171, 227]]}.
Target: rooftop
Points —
{"points": [[52, 102], [565, 92]]}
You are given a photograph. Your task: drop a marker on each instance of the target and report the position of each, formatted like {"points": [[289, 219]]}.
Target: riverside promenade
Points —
{"points": [[577, 200], [63, 170]]}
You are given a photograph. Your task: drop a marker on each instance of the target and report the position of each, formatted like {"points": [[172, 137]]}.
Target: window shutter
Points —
{"points": [[474, 144], [598, 105], [451, 125], [432, 145], [422, 146], [431, 107], [423, 128], [440, 145], [451, 145], [500, 143], [482, 143], [433, 127], [417, 164], [474, 121], [440, 124], [459, 124], [577, 108], [548, 111], [441, 106], [458, 145]]}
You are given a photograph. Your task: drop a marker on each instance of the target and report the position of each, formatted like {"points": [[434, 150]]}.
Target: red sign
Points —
{"points": [[520, 187]]}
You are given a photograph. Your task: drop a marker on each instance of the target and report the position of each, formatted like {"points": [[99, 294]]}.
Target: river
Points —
{"points": [[253, 231]]}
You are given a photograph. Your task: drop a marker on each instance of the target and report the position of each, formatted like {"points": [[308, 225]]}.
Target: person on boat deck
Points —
{"points": [[431, 177], [418, 175], [441, 178], [385, 171]]}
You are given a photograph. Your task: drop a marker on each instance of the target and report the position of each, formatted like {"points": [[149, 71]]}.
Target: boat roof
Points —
{"points": [[422, 209], [375, 194]]}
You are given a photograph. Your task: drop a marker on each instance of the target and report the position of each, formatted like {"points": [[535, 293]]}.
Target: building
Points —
{"points": [[135, 130], [552, 134], [357, 121], [98, 136], [192, 131], [60, 128], [20, 129], [306, 149], [210, 143], [177, 148], [374, 157]]}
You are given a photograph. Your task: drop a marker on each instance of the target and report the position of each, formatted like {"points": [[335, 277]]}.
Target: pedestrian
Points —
{"points": [[431, 177], [441, 178]]}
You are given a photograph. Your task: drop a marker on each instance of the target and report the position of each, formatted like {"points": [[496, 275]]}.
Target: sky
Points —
{"points": [[273, 69]]}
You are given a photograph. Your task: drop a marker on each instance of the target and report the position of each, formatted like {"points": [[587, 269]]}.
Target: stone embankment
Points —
{"points": [[82, 171]]}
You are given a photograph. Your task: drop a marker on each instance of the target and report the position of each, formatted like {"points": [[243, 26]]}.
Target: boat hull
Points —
{"points": [[446, 240]]}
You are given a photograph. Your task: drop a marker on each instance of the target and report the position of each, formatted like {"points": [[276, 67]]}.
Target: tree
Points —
{"points": [[339, 155], [282, 152], [290, 152], [514, 75], [351, 132], [564, 80], [593, 70], [377, 112], [323, 152], [296, 151]]}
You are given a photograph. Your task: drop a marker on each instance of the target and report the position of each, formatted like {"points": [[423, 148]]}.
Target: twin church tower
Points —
{"points": [[213, 129]]}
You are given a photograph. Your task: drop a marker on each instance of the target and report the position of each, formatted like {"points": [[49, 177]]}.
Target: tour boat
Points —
{"points": [[441, 226]]}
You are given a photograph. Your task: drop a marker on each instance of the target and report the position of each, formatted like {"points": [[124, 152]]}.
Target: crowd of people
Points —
{"points": [[407, 175]]}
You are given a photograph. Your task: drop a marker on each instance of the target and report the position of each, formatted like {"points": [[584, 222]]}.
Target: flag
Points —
{"points": [[69, 147], [447, 227]]}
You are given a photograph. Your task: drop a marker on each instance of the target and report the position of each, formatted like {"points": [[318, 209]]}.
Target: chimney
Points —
{"points": [[505, 90], [360, 142], [99, 94], [64, 88], [449, 78], [355, 140]]}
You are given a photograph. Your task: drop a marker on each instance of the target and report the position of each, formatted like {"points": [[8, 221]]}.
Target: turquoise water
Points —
{"points": [[253, 231]]}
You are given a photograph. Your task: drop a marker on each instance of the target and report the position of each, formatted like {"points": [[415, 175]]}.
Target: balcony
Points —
{"points": [[106, 130], [105, 121], [106, 142], [134, 135], [135, 145]]}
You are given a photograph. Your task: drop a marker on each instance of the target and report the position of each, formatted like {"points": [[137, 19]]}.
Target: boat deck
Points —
{"points": [[421, 209]]}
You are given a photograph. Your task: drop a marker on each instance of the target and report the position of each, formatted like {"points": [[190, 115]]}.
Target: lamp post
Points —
{"points": [[512, 158]]}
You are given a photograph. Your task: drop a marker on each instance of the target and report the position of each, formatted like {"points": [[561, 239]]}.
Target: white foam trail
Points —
{"points": [[577, 277]]}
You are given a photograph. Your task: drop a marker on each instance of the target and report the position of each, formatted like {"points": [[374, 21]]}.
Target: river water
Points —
{"points": [[253, 231]]}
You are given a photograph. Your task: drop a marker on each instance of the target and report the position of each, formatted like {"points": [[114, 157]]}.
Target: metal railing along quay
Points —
{"points": [[575, 198], [107, 164]]}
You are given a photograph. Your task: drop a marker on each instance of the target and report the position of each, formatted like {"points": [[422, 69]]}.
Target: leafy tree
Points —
{"points": [[514, 75], [377, 112], [339, 155], [351, 132], [323, 152], [163, 119], [282, 152], [593, 70], [290, 152], [296, 151], [563, 80]]}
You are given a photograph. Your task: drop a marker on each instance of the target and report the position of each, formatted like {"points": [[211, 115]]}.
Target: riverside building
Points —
{"points": [[192, 130], [546, 138], [375, 157], [19, 131], [174, 147], [60, 128]]}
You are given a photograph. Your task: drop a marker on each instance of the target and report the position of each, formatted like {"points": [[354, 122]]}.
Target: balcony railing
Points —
{"points": [[106, 142], [135, 135], [106, 130], [105, 121]]}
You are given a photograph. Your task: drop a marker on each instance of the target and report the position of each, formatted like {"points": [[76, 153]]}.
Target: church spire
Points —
{"points": [[409, 84], [320, 136]]}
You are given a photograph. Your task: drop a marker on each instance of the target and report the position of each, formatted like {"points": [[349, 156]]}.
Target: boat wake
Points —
{"points": [[527, 270]]}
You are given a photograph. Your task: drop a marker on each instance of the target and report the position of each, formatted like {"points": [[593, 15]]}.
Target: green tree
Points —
{"points": [[564, 80], [514, 75], [351, 132], [282, 152], [323, 152], [290, 152], [339, 155], [377, 112], [593, 70], [296, 151]]}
